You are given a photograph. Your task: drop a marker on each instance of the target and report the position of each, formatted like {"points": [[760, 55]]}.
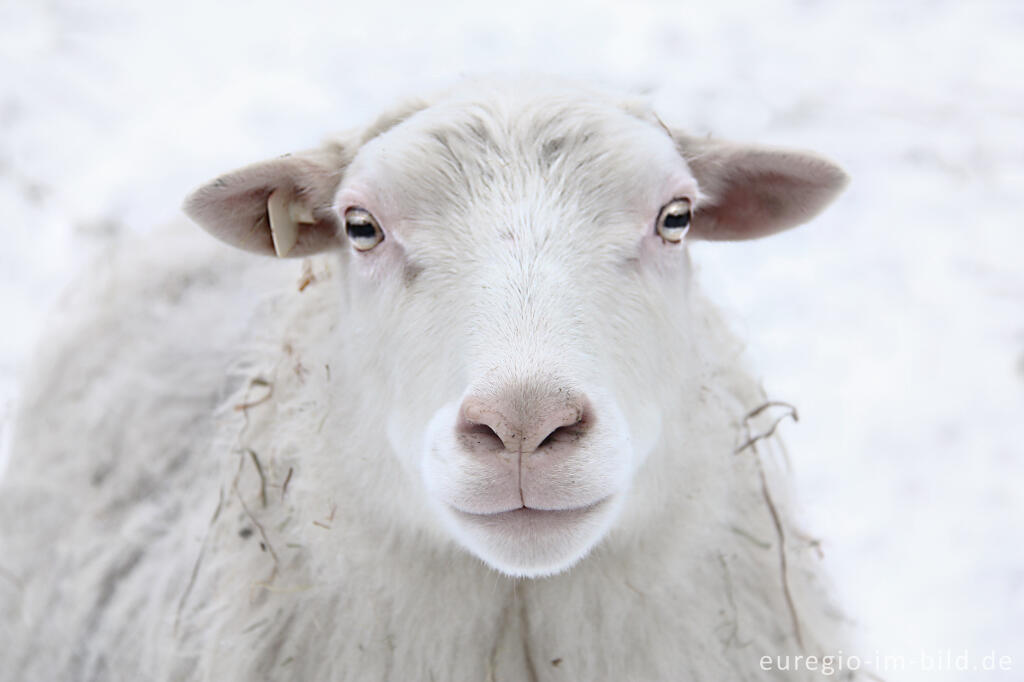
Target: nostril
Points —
{"points": [[483, 435], [478, 426], [556, 436], [569, 432]]}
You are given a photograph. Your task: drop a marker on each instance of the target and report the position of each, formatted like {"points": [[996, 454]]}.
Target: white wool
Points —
{"points": [[217, 471]]}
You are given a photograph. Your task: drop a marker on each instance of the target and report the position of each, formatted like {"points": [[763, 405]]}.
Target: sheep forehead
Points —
{"points": [[557, 152]]}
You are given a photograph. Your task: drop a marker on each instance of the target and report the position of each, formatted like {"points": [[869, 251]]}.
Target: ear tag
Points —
{"points": [[285, 217], [284, 229]]}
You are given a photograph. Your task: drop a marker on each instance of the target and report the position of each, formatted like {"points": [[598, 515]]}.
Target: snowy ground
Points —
{"points": [[895, 323]]}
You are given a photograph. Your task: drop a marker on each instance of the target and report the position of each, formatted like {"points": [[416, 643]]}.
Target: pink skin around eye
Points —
{"points": [[388, 255], [655, 251]]}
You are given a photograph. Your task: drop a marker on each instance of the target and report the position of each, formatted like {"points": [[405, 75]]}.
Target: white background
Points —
{"points": [[895, 322]]}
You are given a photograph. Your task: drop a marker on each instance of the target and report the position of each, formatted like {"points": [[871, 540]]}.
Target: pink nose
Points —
{"points": [[524, 421]]}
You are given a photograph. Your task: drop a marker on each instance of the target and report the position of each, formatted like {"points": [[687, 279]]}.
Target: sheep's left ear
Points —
{"points": [[748, 192], [283, 206]]}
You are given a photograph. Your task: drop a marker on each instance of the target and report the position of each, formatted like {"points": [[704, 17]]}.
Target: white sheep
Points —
{"points": [[493, 433]]}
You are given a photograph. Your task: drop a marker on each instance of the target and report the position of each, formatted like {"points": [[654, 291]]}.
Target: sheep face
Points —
{"points": [[517, 259], [516, 283]]}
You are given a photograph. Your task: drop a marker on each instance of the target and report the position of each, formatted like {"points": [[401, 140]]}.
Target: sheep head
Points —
{"points": [[516, 274]]}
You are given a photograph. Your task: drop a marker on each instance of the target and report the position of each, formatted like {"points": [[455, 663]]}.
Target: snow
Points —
{"points": [[895, 323]]}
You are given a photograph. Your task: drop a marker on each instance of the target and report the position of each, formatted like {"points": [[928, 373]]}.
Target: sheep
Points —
{"points": [[487, 428]]}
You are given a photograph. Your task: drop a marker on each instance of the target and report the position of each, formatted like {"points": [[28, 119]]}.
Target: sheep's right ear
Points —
{"points": [[283, 206]]}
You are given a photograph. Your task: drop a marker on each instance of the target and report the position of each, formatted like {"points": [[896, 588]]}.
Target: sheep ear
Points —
{"points": [[748, 192], [282, 206]]}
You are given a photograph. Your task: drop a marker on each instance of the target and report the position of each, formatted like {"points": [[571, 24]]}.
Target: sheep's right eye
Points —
{"points": [[362, 229]]}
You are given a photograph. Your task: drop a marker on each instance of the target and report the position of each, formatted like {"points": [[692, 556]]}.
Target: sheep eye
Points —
{"points": [[674, 220], [362, 229]]}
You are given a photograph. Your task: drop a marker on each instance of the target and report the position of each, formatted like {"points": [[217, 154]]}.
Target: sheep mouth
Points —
{"points": [[527, 542], [529, 516]]}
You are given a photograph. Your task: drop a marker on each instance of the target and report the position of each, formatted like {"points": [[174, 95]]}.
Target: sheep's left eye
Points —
{"points": [[674, 220]]}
